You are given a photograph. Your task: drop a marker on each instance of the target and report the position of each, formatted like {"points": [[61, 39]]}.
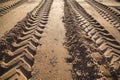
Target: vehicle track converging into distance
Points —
{"points": [[113, 17], [5, 9], [60, 40]]}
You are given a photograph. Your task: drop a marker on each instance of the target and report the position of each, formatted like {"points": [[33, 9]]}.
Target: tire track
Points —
{"points": [[7, 8], [116, 8], [18, 46], [50, 63], [89, 43], [113, 17]]}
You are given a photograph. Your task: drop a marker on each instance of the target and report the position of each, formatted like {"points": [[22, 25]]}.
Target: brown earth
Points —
{"points": [[57, 50]]}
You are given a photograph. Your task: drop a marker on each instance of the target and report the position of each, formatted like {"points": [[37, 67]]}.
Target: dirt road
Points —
{"points": [[59, 40]]}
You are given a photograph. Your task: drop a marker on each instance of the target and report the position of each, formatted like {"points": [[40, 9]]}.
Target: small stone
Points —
{"points": [[78, 73]]}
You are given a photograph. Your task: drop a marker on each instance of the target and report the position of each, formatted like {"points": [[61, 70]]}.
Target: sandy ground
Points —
{"points": [[50, 61], [113, 31], [8, 20]]}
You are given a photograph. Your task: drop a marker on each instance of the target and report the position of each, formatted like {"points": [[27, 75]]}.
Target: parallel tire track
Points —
{"points": [[7, 8], [113, 17], [87, 38], [18, 46]]}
